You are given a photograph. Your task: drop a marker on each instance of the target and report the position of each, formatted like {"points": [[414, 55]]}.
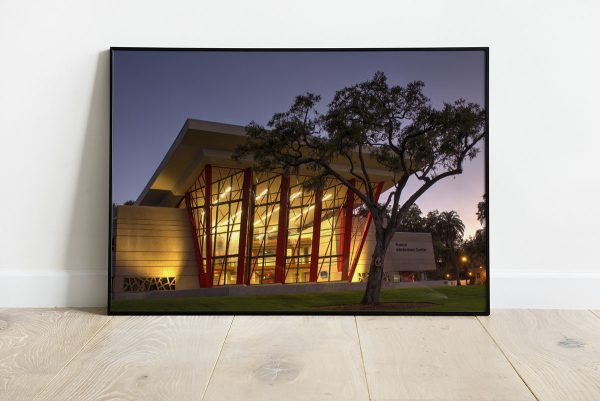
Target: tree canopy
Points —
{"points": [[394, 125]]}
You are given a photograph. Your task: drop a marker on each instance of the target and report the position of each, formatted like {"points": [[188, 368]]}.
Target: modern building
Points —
{"points": [[205, 220]]}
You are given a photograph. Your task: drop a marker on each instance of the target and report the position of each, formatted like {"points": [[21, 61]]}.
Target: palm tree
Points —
{"points": [[450, 229]]}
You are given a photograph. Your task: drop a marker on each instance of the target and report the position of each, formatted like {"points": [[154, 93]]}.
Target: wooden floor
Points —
{"points": [[513, 355]]}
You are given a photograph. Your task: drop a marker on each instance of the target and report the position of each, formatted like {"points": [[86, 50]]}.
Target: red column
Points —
{"points": [[314, 253], [347, 232], [284, 194], [197, 250], [341, 216], [208, 282], [364, 234], [244, 225]]}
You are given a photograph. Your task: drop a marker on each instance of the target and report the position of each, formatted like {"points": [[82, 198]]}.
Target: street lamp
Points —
{"points": [[464, 260]]}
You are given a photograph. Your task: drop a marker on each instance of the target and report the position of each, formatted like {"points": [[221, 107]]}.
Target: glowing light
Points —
{"points": [[304, 211], [294, 196], [464, 258], [260, 236], [169, 272], [327, 196], [224, 223], [470, 273], [227, 190], [263, 193], [262, 219], [447, 275]]}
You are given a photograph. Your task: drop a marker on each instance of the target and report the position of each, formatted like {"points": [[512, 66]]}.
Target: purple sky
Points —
{"points": [[155, 92]]}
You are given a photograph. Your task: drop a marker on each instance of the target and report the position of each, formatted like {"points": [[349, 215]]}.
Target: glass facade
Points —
{"points": [[265, 207], [301, 212], [264, 228], [331, 239]]}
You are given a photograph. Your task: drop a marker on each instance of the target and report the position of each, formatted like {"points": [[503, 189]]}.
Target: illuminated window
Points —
{"points": [[301, 209], [225, 210], [263, 228], [330, 241]]}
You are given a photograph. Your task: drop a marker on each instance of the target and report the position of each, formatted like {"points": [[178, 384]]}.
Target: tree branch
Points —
{"points": [[364, 180], [368, 188]]}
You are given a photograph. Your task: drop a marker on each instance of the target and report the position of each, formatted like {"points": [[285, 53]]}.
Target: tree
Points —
{"points": [[450, 229], [395, 125], [482, 211], [476, 246], [129, 203], [412, 221]]}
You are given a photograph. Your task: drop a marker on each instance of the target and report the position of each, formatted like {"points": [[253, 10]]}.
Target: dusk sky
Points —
{"points": [[155, 92]]}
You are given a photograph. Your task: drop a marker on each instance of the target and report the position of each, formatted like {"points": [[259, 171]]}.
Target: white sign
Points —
{"points": [[410, 252]]}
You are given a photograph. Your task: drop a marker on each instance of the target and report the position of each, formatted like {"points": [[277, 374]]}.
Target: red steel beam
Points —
{"points": [[284, 194], [208, 282], [314, 253], [197, 250], [347, 232], [246, 187], [364, 234]]}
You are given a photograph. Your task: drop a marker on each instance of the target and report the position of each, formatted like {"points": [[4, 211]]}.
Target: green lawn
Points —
{"points": [[446, 299]]}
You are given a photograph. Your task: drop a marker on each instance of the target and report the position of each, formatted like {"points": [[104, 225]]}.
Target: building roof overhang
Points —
{"points": [[204, 142]]}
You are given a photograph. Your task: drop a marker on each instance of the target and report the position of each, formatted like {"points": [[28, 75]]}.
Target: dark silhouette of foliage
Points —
{"points": [[482, 211], [371, 121], [475, 246]]}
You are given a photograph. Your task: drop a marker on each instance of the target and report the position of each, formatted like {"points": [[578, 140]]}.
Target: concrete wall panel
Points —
{"points": [[154, 242]]}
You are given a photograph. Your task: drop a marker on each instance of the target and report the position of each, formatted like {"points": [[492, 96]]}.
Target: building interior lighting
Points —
{"points": [[263, 193], [226, 221], [261, 219], [304, 211], [227, 190]]}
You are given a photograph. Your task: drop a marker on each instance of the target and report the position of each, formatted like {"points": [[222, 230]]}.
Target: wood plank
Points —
{"points": [[144, 358], [557, 352], [290, 358], [35, 344], [435, 358]]}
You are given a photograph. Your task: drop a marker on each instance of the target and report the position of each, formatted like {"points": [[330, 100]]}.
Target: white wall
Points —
{"points": [[54, 110]]}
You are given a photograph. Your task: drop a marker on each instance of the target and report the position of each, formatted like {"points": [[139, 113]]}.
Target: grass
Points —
{"points": [[445, 299]]}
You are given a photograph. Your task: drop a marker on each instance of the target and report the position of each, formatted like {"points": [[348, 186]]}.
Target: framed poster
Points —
{"points": [[299, 181]]}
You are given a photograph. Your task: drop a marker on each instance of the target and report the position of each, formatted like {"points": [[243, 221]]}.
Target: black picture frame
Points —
{"points": [[111, 237]]}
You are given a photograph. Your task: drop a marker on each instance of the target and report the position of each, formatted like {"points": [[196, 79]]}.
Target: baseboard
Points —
{"points": [[509, 289], [64, 288], [520, 289]]}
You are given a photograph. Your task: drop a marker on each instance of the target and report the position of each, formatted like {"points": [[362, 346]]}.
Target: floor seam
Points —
{"points": [[362, 359], [507, 359], [594, 313], [75, 355], [212, 372]]}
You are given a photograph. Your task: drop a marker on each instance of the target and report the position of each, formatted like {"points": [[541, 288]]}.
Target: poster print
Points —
{"points": [[313, 181]]}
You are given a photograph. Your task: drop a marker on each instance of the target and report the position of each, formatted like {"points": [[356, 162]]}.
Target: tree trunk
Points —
{"points": [[456, 264], [375, 278]]}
